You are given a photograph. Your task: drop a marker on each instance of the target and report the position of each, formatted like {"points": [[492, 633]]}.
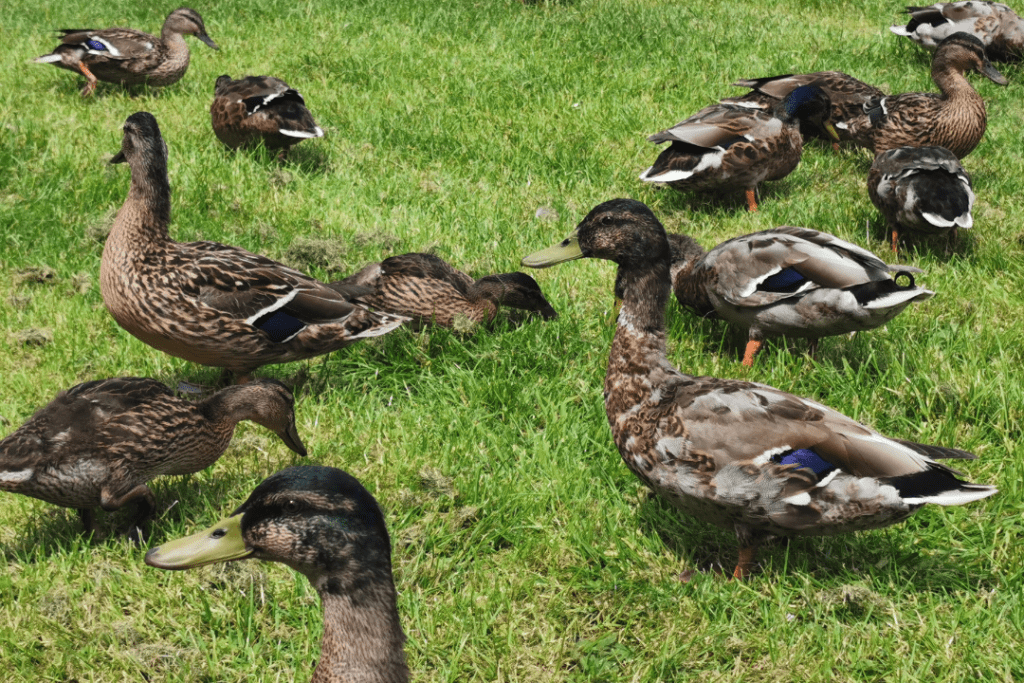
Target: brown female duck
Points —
{"points": [[791, 282], [847, 94], [127, 56], [322, 523], [210, 303], [428, 290], [955, 119], [740, 455], [731, 147], [98, 443], [922, 190], [997, 26], [258, 109]]}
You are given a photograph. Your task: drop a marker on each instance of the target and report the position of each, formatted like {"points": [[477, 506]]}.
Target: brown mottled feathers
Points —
{"points": [[258, 109], [997, 26]]}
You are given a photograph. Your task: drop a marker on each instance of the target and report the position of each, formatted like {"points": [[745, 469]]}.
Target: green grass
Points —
{"points": [[524, 549]]}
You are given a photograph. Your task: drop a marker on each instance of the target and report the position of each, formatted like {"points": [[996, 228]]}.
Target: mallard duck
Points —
{"points": [[98, 443], [322, 523], [258, 109], [921, 189], [426, 289], [743, 456], [846, 93], [955, 119], [791, 282], [727, 146], [127, 56], [997, 26], [207, 302]]}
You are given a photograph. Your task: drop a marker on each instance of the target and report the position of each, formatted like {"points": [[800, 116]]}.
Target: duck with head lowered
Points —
{"points": [[207, 302], [740, 455], [127, 56], [732, 147], [322, 523]]}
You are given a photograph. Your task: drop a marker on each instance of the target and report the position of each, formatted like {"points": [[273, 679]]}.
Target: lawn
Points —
{"points": [[524, 550]]}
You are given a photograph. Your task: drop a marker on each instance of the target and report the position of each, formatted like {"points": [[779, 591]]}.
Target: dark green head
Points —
{"points": [[808, 104]]}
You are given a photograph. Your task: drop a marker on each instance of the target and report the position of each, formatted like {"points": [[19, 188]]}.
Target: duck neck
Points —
{"points": [[639, 342], [143, 219], [225, 409], [953, 84], [363, 640]]}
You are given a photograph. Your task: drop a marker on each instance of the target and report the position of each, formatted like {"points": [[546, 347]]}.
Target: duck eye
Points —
{"points": [[292, 506]]}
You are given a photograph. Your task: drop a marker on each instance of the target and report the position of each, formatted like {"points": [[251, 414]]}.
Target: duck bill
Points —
{"points": [[291, 439], [220, 543], [206, 39], [990, 72], [831, 130], [568, 250], [118, 158]]}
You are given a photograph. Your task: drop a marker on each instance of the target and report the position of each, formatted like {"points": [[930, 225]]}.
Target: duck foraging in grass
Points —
{"points": [[259, 109], [127, 56], [956, 119], [732, 147], [921, 189], [740, 455], [791, 282], [97, 444], [210, 303], [426, 289], [997, 26], [322, 523]]}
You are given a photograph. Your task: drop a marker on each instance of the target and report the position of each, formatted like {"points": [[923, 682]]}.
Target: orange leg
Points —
{"points": [[753, 346], [895, 239], [91, 85], [751, 200], [745, 562]]}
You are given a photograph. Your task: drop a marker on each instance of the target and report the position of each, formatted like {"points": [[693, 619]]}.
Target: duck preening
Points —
{"points": [[259, 109]]}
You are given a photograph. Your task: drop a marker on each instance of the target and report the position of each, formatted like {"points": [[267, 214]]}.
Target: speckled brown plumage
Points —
{"points": [[791, 282], [321, 522], [740, 455], [997, 26], [731, 147], [428, 290], [98, 443], [847, 95], [210, 303], [259, 109], [956, 119], [127, 56]]}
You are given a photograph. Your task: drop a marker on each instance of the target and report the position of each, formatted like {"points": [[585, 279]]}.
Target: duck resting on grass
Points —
{"points": [[210, 303], [956, 119], [732, 147], [428, 290], [258, 109], [921, 189], [790, 282], [127, 56], [98, 443], [322, 523], [740, 455], [997, 26]]}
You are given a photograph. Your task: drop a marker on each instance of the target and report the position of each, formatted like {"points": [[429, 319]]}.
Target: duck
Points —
{"points": [[324, 524], [428, 290], [127, 56], [792, 282], [922, 190], [998, 27], [955, 119], [209, 303], [255, 109], [97, 444], [732, 147], [740, 455], [846, 93]]}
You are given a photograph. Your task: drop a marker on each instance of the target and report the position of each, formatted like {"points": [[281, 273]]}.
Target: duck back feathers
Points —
{"points": [[260, 108], [997, 26]]}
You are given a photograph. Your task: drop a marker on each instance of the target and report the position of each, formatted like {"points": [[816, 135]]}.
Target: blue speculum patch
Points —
{"points": [[806, 458], [279, 325], [785, 279], [96, 45]]}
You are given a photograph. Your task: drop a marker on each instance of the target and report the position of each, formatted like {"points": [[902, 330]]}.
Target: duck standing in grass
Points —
{"points": [[428, 290], [731, 147], [791, 282], [922, 190], [956, 119], [322, 523], [736, 454], [98, 443], [997, 26], [258, 109], [210, 303], [127, 56]]}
